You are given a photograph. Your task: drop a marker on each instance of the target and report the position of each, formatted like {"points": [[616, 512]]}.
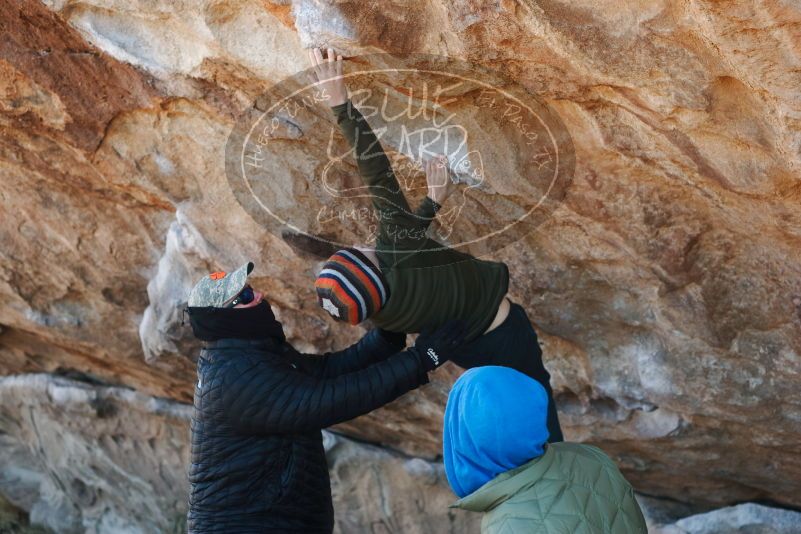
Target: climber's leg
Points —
{"points": [[514, 344]]}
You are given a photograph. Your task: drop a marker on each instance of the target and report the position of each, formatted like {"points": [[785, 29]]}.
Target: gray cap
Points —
{"points": [[219, 288]]}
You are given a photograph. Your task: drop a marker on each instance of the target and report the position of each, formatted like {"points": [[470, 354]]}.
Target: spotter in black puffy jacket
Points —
{"points": [[258, 463]]}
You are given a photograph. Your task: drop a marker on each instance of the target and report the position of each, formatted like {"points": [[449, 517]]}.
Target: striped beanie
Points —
{"points": [[350, 287]]}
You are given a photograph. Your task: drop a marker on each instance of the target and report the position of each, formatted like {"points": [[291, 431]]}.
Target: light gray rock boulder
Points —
{"points": [[748, 518], [376, 491], [83, 457]]}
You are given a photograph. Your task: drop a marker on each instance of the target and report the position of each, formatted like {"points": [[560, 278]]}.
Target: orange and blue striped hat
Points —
{"points": [[350, 287]]}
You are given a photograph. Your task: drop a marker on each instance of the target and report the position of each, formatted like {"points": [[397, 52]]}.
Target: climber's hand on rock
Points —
{"points": [[328, 74], [440, 185]]}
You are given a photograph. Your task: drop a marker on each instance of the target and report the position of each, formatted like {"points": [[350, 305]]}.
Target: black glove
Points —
{"points": [[397, 339], [433, 348]]}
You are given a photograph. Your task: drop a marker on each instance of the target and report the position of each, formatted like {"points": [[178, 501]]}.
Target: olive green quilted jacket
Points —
{"points": [[571, 489]]}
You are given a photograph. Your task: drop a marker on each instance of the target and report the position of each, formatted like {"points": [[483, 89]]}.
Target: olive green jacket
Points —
{"points": [[571, 489]]}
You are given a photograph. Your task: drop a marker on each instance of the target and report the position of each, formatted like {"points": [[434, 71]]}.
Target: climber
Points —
{"points": [[258, 463], [498, 460], [410, 280]]}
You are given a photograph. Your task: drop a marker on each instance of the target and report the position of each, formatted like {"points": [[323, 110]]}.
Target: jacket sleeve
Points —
{"points": [[397, 221], [262, 398], [426, 211], [375, 346]]}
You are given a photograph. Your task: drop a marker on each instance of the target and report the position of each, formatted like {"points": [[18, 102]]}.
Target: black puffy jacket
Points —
{"points": [[258, 463]]}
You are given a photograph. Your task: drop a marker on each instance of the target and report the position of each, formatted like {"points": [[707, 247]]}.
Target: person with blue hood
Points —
{"points": [[498, 461]]}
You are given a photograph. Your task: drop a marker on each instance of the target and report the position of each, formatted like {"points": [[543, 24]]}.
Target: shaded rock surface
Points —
{"points": [[81, 457], [378, 491], [15, 521], [746, 518], [86, 458], [666, 286]]}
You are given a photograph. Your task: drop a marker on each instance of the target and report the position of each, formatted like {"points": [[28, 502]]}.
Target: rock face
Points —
{"points": [[665, 285], [70, 447], [377, 491], [15, 521], [87, 458], [744, 518]]}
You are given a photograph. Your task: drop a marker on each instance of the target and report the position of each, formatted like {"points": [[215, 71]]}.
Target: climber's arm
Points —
{"points": [[374, 166], [426, 211], [440, 187], [397, 223]]}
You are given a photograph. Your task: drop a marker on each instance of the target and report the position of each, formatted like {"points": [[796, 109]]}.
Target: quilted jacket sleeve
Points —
{"points": [[260, 397], [375, 346]]}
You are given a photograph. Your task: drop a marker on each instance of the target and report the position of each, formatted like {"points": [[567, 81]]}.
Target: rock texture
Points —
{"points": [[69, 448], [15, 521], [376, 491], [88, 458], [666, 285], [744, 518]]}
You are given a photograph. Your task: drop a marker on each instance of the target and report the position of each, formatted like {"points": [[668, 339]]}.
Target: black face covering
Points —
{"points": [[257, 322]]}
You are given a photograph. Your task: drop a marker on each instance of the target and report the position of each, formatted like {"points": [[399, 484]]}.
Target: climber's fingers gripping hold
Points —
{"points": [[328, 75], [438, 179]]}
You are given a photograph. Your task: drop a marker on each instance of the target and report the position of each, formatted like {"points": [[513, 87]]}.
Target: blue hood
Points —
{"points": [[495, 420]]}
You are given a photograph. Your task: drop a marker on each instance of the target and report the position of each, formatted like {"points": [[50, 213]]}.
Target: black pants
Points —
{"points": [[514, 344]]}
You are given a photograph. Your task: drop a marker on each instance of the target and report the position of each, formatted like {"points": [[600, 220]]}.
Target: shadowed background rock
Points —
{"points": [[666, 286]]}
